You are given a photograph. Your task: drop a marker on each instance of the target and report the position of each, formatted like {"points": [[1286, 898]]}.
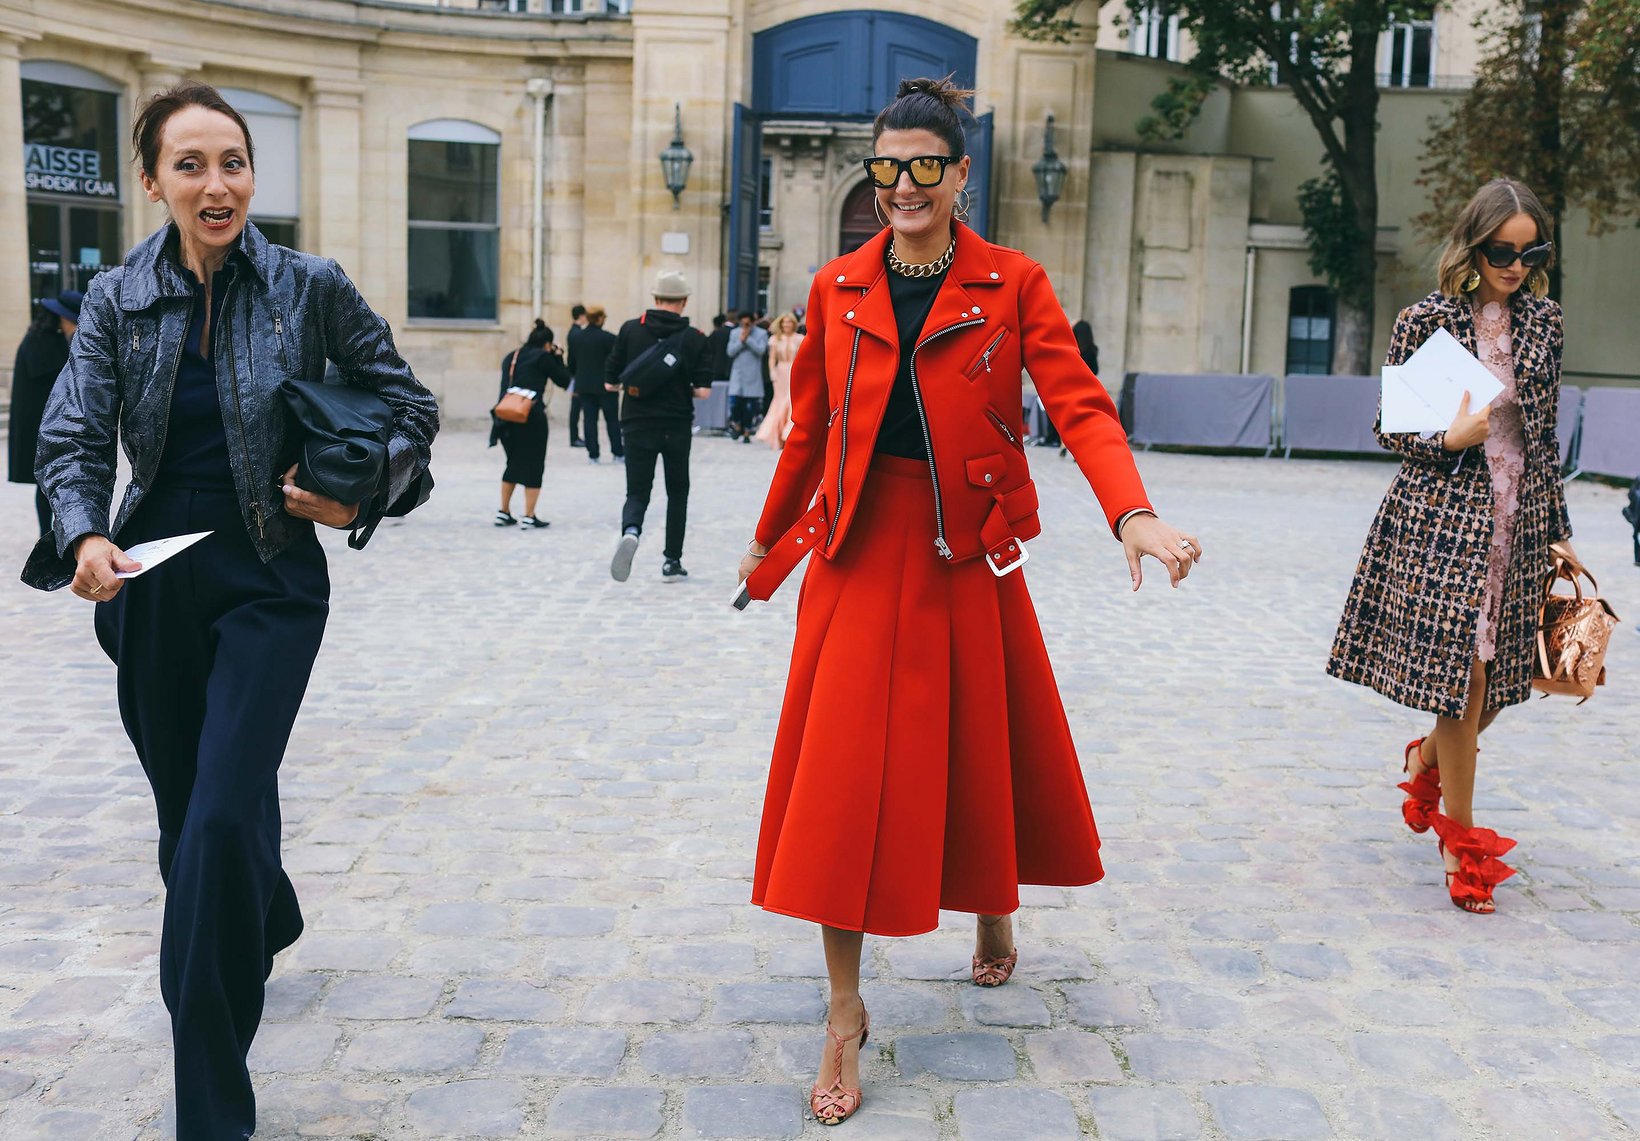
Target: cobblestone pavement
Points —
{"points": [[522, 800]]}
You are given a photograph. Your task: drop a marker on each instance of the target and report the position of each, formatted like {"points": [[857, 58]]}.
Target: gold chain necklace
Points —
{"points": [[928, 269]]}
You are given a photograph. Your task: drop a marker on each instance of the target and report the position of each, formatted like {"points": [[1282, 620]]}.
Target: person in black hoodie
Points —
{"points": [[40, 358], [658, 393], [532, 366], [588, 352]]}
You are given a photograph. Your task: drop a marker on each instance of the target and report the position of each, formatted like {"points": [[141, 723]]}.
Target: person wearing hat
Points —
{"points": [[40, 358], [660, 365]]}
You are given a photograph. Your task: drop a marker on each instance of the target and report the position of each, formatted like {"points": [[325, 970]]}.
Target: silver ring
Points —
{"points": [[1185, 543]]}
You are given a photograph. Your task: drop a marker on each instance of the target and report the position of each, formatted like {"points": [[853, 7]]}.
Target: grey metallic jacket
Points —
{"points": [[285, 314]]}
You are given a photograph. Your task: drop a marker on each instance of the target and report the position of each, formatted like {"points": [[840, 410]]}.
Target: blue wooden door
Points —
{"points": [[744, 180], [978, 132]]}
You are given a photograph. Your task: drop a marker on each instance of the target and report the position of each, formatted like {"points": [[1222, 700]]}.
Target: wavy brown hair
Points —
{"points": [[1492, 206]]}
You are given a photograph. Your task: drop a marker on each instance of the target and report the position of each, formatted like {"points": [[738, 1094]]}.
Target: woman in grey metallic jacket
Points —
{"points": [[179, 357]]}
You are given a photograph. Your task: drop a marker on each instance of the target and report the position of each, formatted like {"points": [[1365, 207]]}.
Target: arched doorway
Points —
{"points": [[858, 222], [837, 68]]}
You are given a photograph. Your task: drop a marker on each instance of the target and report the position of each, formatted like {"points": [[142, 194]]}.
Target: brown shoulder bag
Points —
{"points": [[515, 404]]}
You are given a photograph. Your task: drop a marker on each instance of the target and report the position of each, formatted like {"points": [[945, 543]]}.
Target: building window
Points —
{"points": [[455, 235], [765, 274], [71, 175], [1291, 10], [1154, 32], [765, 195], [1409, 54], [1310, 330], [588, 7], [276, 130]]}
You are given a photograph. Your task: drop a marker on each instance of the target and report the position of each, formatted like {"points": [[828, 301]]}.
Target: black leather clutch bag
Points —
{"points": [[341, 436]]}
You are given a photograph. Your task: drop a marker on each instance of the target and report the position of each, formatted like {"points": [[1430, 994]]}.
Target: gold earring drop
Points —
{"points": [[1472, 282], [877, 208]]}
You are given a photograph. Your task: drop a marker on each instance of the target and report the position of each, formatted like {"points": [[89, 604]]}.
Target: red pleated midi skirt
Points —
{"points": [[923, 760]]}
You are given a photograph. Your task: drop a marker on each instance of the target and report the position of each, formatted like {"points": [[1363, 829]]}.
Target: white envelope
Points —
{"points": [[1422, 395], [156, 551]]}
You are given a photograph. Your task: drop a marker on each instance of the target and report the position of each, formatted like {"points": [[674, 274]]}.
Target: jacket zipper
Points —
{"points": [[940, 544], [992, 347], [170, 393], [1002, 426], [842, 445], [983, 361], [279, 338], [239, 409]]}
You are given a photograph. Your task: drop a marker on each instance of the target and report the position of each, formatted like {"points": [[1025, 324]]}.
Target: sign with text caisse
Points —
{"points": [[70, 141]]}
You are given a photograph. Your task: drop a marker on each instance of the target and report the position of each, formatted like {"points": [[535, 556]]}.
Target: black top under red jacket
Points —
{"points": [[675, 403]]}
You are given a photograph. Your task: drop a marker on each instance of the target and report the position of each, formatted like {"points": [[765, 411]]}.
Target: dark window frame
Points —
{"points": [[1310, 355], [457, 309]]}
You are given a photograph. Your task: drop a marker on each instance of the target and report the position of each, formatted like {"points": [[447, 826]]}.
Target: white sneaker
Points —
{"points": [[620, 567]]}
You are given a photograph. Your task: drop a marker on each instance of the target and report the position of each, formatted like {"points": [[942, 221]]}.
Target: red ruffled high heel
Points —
{"points": [[1479, 868], [1423, 791]]}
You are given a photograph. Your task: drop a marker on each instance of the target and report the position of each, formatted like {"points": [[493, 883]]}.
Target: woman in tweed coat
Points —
{"points": [[1442, 615]]}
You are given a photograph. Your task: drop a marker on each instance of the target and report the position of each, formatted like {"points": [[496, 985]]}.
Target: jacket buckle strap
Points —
{"points": [[1004, 550], [806, 535], [1007, 557]]}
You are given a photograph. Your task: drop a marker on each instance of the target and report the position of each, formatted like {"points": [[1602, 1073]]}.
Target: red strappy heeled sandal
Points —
{"points": [[837, 1103], [990, 972], [1479, 868], [1423, 791]]}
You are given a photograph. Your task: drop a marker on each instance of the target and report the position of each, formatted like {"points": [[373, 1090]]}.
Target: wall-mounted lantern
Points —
{"points": [[676, 158], [1049, 171]]}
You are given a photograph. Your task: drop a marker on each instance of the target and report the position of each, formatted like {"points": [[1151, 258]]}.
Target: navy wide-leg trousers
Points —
{"points": [[214, 649]]}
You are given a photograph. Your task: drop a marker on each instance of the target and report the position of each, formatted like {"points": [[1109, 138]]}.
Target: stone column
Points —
{"points": [[14, 248], [332, 140], [1026, 80], [678, 51], [154, 73]]}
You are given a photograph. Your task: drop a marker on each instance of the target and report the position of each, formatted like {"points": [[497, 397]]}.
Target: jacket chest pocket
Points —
{"points": [[139, 357], [981, 364], [287, 357]]}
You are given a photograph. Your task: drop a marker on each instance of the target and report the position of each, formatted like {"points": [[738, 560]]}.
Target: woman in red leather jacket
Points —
{"points": [[923, 759]]}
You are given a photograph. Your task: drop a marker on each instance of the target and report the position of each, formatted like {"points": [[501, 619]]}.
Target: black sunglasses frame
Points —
{"points": [[1492, 251], [903, 166]]}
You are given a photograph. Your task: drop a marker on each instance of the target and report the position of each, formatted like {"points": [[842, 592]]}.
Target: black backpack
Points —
{"points": [[655, 369], [1632, 514]]}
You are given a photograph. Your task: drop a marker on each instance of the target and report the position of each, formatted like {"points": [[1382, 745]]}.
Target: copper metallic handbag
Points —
{"points": [[515, 403], [1573, 632]]}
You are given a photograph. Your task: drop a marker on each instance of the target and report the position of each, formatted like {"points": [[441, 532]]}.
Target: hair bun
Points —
{"points": [[945, 90], [540, 324]]}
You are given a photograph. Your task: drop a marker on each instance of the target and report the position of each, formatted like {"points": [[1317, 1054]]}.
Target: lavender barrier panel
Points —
{"points": [[1571, 408], [1611, 432], [1330, 414], [1202, 411], [712, 413]]}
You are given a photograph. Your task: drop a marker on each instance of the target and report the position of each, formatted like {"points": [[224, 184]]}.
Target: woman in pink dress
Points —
{"points": [[1442, 616], [777, 422]]}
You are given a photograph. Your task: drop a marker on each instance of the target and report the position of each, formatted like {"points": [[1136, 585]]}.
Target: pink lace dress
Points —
{"points": [[1506, 456]]}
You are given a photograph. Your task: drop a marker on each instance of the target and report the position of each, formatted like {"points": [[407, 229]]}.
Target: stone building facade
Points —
{"points": [[475, 162]]}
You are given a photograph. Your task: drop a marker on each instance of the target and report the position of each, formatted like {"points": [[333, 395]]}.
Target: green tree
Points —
{"points": [[1555, 104], [1326, 51]]}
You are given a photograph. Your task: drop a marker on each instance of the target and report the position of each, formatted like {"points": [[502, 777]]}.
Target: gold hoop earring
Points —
{"points": [[1472, 282], [965, 202], [877, 209]]}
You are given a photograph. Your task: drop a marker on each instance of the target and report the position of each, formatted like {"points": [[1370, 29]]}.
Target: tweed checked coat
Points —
{"points": [[1409, 625]]}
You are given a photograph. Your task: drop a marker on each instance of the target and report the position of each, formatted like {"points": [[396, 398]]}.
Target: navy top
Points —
{"points": [[196, 445], [902, 430]]}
